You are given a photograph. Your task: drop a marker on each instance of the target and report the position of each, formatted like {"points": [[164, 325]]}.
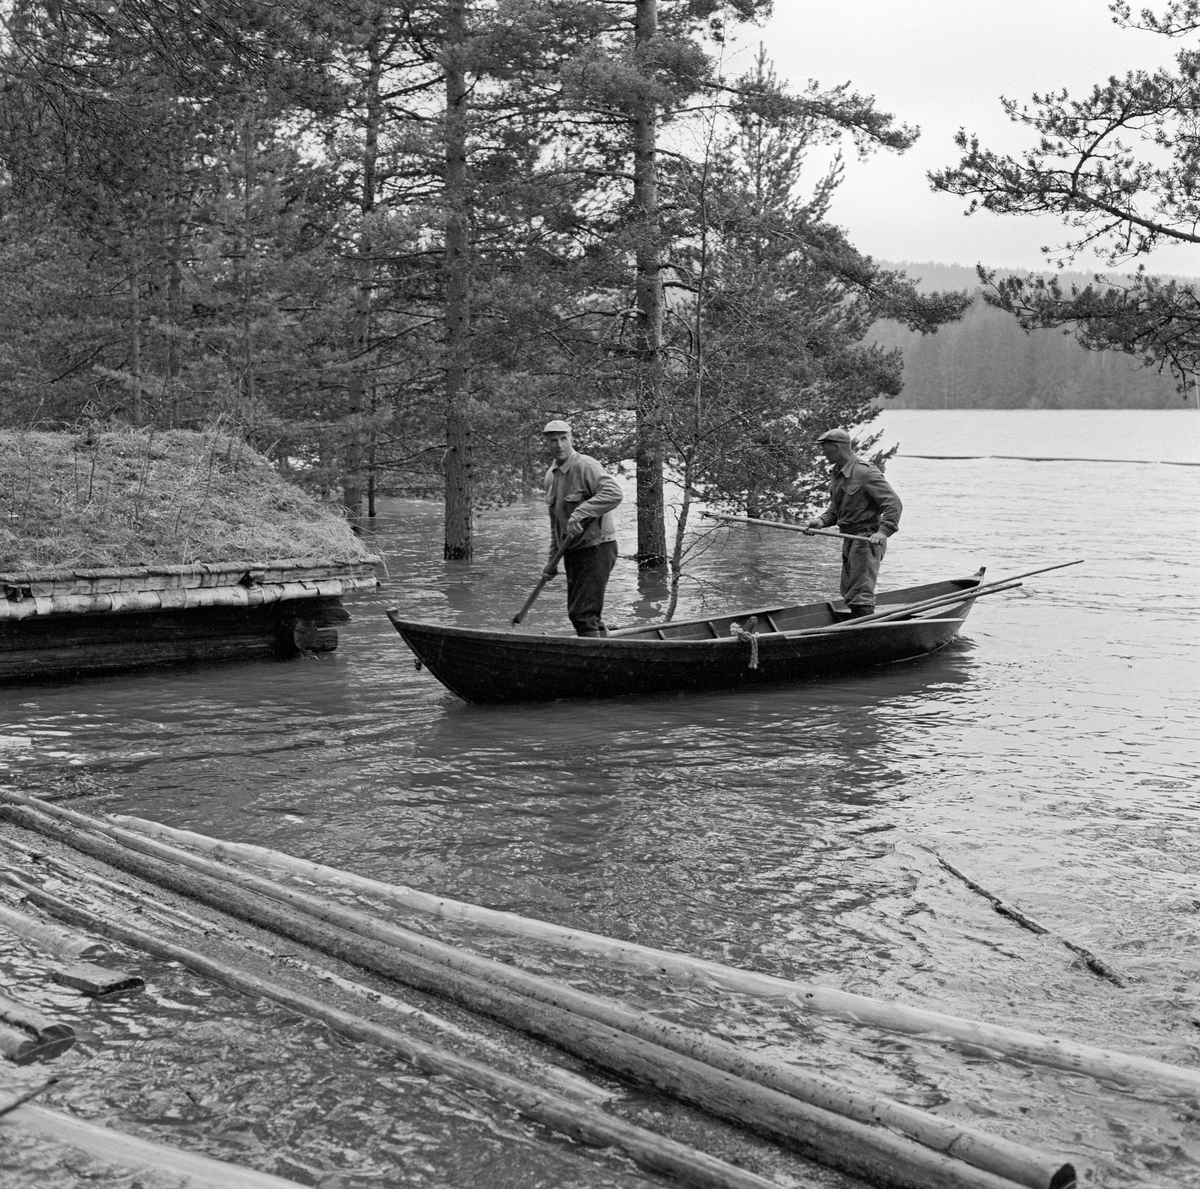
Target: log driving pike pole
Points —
{"points": [[791, 528], [551, 565], [537, 590]]}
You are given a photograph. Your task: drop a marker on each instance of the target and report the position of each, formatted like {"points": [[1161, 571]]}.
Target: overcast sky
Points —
{"points": [[942, 65]]}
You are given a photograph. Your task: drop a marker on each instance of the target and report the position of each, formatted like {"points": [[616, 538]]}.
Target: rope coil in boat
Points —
{"points": [[747, 633]]}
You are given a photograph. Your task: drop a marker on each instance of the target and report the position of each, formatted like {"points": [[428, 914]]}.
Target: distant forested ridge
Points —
{"points": [[987, 361]]}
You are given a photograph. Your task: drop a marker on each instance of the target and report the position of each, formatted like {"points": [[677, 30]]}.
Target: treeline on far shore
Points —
{"points": [[987, 361]]}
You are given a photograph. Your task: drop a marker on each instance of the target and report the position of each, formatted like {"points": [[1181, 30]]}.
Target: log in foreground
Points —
{"points": [[709, 1073], [586, 1124], [809, 997], [183, 1169], [861, 1150]]}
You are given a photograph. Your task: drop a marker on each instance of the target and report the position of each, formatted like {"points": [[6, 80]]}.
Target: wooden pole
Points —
{"points": [[537, 590], [860, 1149], [791, 528], [583, 1123], [1094, 962], [911, 610], [808, 997], [26, 1096]]}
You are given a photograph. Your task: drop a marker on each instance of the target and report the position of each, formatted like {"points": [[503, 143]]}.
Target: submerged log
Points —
{"points": [[52, 939], [858, 1009], [130, 1152], [584, 1123], [23, 1047], [849, 1142], [37, 1023]]}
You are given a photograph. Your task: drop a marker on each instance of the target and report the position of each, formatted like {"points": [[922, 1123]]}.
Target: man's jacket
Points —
{"points": [[861, 501], [582, 484]]}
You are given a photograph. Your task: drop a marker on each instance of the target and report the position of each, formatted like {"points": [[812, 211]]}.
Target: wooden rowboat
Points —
{"points": [[762, 646]]}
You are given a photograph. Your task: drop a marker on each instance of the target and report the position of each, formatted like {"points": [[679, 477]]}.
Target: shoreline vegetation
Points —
{"points": [[137, 497], [986, 361]]}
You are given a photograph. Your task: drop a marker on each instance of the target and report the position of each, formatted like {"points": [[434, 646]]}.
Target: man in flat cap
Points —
{"points": [[581, 495], [861, 503]]}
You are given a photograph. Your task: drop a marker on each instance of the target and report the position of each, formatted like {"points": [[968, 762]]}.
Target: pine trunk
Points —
{"points": [[135, 338], [651, 522], [458, 543]]}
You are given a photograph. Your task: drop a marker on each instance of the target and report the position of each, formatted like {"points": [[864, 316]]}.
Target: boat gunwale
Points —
{"points": [[639, 634], [608, 642]]}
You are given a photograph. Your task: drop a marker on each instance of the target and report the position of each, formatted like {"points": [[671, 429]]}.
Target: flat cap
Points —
{"points": [[556, 427], [834, 435]]}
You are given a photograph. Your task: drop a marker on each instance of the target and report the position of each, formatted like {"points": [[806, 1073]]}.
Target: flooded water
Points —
{"points": [[1051, 751]]}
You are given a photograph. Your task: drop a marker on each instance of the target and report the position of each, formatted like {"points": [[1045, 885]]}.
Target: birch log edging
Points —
{"points": [[188, 1169], [586, 1124], [844, 1005], [594, 1030], [1092, 961]]}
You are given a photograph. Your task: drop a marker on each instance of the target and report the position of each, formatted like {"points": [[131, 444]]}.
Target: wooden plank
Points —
{"points": [[93, 979]]}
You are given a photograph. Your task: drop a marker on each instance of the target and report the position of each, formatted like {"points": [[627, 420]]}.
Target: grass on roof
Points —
{"points": [[138, 498]]}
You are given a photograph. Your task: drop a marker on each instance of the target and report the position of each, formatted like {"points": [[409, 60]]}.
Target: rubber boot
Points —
{"points": [[858, 610]]}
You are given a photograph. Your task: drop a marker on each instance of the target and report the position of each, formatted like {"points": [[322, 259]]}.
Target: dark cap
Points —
{"points": [[834, 435]]}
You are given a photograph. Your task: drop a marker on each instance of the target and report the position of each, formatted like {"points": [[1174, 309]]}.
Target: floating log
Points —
{"points": [[130, 1152], [584, 1123], [1094, 962], [861, 1150], [172, 917], [52, 939], [859, 1009], [712, 1074], [41, 1026]]}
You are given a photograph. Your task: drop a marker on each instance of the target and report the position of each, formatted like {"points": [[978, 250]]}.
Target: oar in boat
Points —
{"points": [[791, 528], [965, 595]]}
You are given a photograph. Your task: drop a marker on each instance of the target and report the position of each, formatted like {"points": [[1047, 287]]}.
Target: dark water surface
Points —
{"points": [[1051, 751]]}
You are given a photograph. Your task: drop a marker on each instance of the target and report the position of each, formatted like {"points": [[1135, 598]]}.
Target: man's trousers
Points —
{"points": [[587, 576], [860, 569]]}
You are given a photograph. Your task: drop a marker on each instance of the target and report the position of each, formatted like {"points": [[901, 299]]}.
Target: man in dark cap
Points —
{"points": [[863, 504], [581, 495]]}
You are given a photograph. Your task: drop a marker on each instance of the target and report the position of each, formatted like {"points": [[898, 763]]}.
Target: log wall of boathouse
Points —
{"points": [[68, 623]]}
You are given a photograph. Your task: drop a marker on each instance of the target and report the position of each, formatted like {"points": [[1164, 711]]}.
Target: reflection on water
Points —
{"points": [[1050, 751]]}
